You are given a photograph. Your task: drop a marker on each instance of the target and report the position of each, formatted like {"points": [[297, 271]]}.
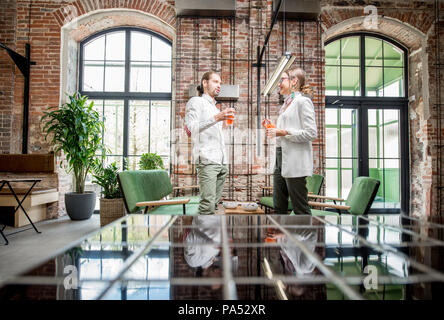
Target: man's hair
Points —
{"points": [[206, 76], [300, 75]]}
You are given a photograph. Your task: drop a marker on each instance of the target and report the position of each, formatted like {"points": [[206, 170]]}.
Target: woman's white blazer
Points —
{"points": [[297, 151]]}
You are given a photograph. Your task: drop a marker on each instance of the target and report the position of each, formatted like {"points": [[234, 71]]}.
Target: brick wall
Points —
{"points": [[232, 55], [8, 38]]}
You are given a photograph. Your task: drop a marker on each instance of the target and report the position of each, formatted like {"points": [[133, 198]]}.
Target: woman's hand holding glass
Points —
{"points": [[271, 130]]}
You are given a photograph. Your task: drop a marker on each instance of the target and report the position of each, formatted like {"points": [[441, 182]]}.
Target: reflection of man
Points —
{"points": [[202, 247], [294, 261], [198, 252], [204, 122]]}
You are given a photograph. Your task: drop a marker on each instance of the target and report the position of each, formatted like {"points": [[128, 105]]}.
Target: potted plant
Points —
{"points": [[76, 130], [111, 204], [150, 161]]}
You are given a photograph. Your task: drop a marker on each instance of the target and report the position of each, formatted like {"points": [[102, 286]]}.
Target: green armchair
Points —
{"points": [[147, 189], [358, 202]]}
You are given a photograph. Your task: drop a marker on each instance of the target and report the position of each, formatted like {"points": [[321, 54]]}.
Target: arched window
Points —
{"points": [[127, 73], [377, 73], [366, 117]]}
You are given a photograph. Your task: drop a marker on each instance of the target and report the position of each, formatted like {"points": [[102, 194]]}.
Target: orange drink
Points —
{"points": [[230, 120], [270, 239], [266, 123]]}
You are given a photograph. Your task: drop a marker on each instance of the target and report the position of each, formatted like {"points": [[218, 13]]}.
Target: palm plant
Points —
{"points": [[106, 177], [75, 129]]}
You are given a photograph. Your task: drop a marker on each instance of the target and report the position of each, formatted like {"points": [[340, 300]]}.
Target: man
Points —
{"points": [[204, 122]]}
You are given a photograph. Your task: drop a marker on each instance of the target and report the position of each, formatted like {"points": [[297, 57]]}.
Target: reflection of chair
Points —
{"points": [[146, 189], [314, 184], [359, 200], [355, 269]]}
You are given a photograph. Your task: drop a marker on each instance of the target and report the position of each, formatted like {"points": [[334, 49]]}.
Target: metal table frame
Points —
{"points": [[8, 183]]}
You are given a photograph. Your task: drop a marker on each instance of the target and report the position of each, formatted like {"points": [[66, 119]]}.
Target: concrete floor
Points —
{"points": [[28, 249]]}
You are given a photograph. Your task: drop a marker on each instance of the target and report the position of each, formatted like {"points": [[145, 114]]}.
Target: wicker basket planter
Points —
{"points": [[110, 210]]}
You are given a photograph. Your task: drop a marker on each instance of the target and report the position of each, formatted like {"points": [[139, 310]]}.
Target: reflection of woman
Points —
{"points": [[294, 261], [295, 129]]}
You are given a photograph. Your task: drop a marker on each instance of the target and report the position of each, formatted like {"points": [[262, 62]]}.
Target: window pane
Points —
{"points": [[391, 136], [113, 119], [133, 162], [346, 163], [346, 142], [140, 46], [384, 143], [331, 182], [376, 171], [166, 161], [115, 76], [110, 159], [350, 81], [331, 163], [373, 163], [331, 116], [97, 106], [140, 77], [389, 190], [373, 52], [373, 81], [350, 51], [372, 117], [372, 142], [346, 116], [332, 142], [95, 49], [393, 57], [161, 78], [391, 183], [332, 53], [393, 82], [139, 127], [93, 76], [346, 182], [160, 127], [115, 46], [390, 115], [332, 81], [161, 50]]}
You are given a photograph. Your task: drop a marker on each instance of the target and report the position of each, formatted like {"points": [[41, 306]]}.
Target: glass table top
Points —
{"points": [[246, 257]]}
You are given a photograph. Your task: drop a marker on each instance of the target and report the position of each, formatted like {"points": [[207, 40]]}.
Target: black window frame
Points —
{"points": [[125, 95], [362, 104]]}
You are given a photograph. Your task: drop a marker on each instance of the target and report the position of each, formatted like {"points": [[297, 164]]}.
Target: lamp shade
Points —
{"points": [[284, 63]]}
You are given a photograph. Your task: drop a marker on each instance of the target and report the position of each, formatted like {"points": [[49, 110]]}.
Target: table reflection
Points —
{"points": [[186, 260]]}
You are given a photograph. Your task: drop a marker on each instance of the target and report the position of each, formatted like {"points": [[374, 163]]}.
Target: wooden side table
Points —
{"points": [[239, 210]]}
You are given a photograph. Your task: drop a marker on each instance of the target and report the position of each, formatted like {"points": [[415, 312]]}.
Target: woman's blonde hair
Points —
{"points": [[300, 75]]}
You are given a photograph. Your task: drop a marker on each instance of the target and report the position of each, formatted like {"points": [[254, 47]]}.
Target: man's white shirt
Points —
{"points": [[206, 133]]}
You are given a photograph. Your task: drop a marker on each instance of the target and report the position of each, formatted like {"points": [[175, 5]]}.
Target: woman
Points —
{"points": [[295, 129]]}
